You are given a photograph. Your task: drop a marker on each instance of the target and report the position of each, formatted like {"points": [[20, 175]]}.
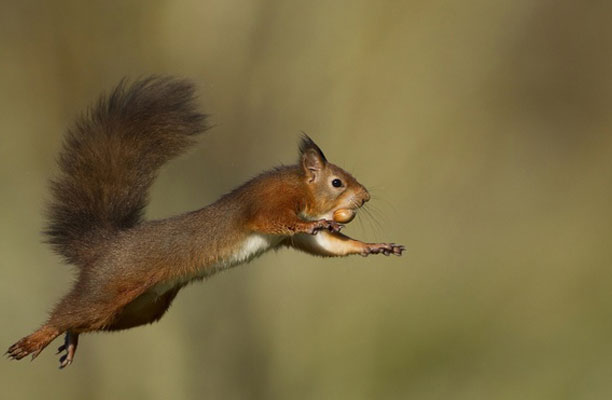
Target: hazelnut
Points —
{"points": [[344, 215]]}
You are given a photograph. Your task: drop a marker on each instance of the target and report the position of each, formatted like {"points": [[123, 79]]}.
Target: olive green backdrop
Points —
{"points": [[482, 129]]}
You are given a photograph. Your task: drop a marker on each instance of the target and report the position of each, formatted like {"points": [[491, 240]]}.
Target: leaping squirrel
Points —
{"points": [[130, 270]]}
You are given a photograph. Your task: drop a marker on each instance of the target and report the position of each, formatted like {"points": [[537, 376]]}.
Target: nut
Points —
{"points": [[344, 215]]}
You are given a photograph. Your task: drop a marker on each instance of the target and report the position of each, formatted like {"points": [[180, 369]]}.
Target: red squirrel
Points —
{"points": [[130, 270]]}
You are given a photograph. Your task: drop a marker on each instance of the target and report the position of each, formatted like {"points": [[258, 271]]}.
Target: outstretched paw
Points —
{"points": [[383, 248], [324, 224], [71, 341]]}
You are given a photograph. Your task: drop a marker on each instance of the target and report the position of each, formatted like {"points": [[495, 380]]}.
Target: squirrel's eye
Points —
{"points": [[337, 183]]}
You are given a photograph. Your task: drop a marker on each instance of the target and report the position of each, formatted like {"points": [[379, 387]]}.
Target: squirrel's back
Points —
{"points": [[110, 159]]}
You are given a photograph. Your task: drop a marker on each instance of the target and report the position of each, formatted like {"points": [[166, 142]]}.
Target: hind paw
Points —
{"points": [[33, 344], [71, 342], [24, 347]]}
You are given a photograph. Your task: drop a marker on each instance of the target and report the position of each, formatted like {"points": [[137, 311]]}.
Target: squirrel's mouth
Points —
{"points": [[347, 213]]}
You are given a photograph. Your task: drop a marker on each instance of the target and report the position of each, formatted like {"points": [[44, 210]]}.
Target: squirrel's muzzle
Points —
{"points": [[364, 197]]}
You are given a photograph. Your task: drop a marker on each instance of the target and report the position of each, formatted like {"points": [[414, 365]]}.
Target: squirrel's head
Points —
{"points": [[330, 187]]}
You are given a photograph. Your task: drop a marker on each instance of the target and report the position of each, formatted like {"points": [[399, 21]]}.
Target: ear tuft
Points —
{"points": [[312, 158], [308, 145]]}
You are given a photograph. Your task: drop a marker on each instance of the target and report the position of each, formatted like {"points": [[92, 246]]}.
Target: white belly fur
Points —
{"points": [[255, 245]]}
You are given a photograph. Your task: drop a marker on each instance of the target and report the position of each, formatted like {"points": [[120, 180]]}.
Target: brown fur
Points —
{"points": [[130, 270], [110, 159]]}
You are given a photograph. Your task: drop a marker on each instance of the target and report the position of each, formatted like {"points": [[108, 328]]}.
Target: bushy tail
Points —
{"points": [[110, 159]]}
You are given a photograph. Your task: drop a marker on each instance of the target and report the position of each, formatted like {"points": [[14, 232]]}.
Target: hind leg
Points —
{"points": [[74, 314], [71, 317]]}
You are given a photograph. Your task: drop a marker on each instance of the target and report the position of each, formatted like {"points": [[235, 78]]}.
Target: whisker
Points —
{"points": [[379, 219], [355, 204], [375, 225], [361, 226], [377, 214], [388, 203], [377, 211]]}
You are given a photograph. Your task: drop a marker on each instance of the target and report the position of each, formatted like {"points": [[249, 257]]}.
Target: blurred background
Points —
{"points": [[482, 129]]}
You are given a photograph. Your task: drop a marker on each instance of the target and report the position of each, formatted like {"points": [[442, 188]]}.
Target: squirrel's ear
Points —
{"points": [[312, 158]]}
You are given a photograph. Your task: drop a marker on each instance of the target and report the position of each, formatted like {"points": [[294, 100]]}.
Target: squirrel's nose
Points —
{"points": [[366, 196]]}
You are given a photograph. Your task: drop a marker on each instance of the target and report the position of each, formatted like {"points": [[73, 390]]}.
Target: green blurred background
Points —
{"points": [[481, 127]]}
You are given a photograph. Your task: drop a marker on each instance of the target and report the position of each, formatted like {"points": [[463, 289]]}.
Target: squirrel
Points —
{"points": [[130, 270]]}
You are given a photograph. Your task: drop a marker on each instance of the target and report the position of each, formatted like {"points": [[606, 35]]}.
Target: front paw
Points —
{"points": [[325, 224], [384, 248]]}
